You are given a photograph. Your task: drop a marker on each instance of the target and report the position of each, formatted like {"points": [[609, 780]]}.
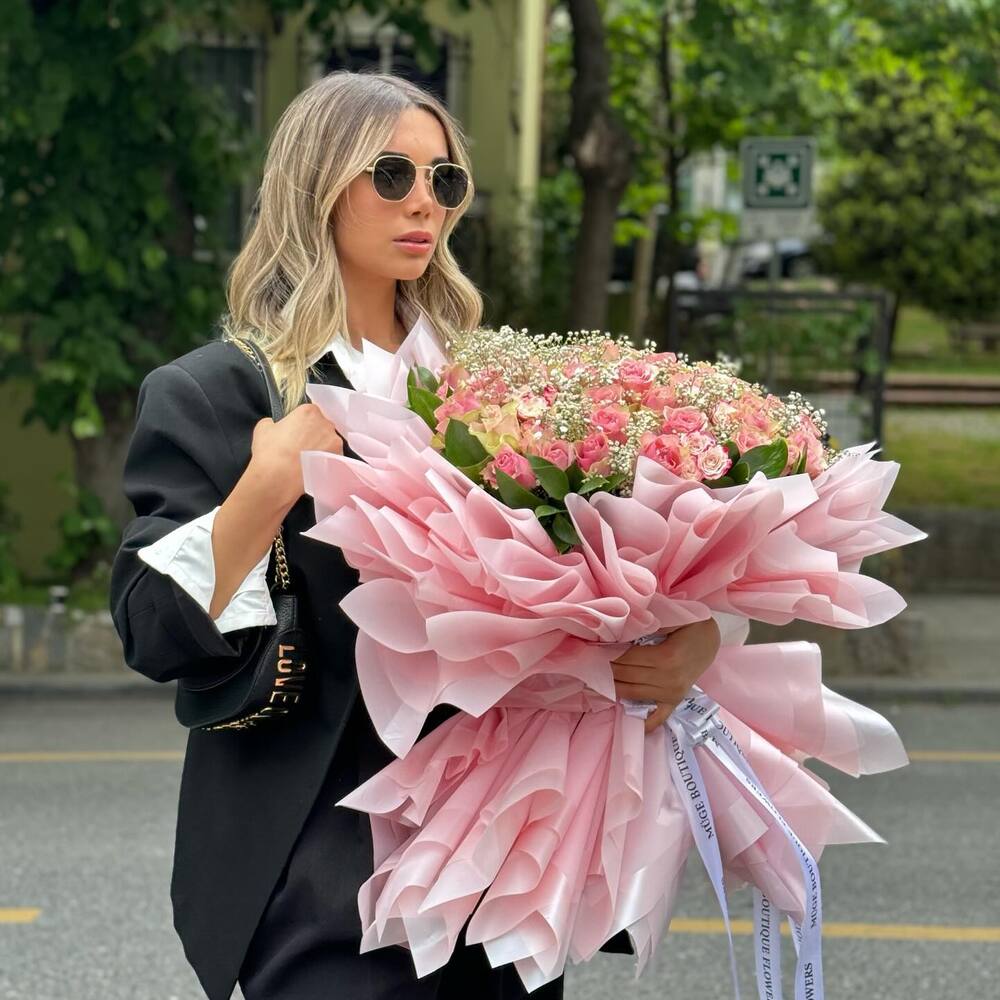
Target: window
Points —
{"points": [[233, 68]]}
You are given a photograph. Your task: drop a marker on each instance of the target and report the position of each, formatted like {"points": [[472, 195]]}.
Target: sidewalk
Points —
{"points": [[959, 662]]}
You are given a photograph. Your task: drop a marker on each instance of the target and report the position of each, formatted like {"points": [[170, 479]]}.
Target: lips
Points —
{"points": [[413, 238]]}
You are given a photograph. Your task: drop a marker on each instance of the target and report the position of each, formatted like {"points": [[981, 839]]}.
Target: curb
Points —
{"points": [[926, 689], [83, 685], [861, 689]]}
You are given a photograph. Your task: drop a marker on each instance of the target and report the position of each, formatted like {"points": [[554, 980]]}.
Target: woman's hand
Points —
{"points": [[277, 447], [665, 672]]}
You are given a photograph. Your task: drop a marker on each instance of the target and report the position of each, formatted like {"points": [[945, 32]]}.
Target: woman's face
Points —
{"points": [[366, 228]]}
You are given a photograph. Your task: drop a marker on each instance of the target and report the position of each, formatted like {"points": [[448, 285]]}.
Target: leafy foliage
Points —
{"points": [[111, 158], [915, 204]]}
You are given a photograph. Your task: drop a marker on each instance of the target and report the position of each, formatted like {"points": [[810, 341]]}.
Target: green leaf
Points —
{"points": [[153, 256], [800, 465], [546, 510], [427, 379], [590, 484], [554, 481], [575, 476], [461, 446], [721, 481], [514, 494], [734, 452], [770, 459], [474, 471], [563, 529], [614, 480], [424, 404], [739, 473]]}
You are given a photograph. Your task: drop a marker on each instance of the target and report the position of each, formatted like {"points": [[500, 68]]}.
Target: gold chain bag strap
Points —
{"points": [[270, 679]]}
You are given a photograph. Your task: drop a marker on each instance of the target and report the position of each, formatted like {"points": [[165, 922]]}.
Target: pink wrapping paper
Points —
{"points": [[542, 814]]}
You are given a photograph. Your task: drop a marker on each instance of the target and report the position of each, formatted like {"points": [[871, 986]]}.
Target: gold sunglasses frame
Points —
{"points": [[431, 167]]}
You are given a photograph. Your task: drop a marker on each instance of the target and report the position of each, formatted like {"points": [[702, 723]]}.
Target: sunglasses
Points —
{"points": [[393, 177]]}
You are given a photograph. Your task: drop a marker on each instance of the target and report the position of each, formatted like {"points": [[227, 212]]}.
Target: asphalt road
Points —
{"points": [[85, 857]]}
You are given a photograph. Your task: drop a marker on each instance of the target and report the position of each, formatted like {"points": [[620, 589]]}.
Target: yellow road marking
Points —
{"points": [[88, 755], [885, 932], [18, 914]]}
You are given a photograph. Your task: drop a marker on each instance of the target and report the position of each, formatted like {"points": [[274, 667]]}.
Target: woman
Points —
{"points": [[266, 868]]}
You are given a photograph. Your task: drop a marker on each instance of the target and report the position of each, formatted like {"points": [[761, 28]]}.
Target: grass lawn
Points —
{"points": [[922, 345], [948, 458]]}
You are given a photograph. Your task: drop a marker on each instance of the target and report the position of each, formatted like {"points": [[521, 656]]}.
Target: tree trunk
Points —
{"points": [[603, 152], [673, 157], [98, 463], [642, 276]]}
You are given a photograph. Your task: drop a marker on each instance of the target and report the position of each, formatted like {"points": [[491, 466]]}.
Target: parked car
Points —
{"points": [[797, 260]]}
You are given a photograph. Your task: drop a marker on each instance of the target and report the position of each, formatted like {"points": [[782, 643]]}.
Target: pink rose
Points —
{"points": [[549, 393], [529, 405], [667, 356], [612, 420], [697, 441], [453, 375], [659, 397], [460, 402], [713, 462], [514, 465], [800, 441], [668, 450], [815, 459], [684, 420], [723, 412], [593, 454], [747, 438], [806, 423], [605, 393], [636, 376], [559, 452], [794, 451]]}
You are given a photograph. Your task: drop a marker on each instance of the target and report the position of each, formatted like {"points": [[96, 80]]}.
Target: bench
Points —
{"points": [[963, 334]]}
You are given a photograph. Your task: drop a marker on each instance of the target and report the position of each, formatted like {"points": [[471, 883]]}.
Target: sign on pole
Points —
{"points": [[777, 186]]}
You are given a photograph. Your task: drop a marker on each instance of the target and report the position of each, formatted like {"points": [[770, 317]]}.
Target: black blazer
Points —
{"points": [[244, 794]]}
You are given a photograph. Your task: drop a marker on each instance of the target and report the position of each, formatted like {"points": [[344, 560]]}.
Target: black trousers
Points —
{"points": [[306, 944]]}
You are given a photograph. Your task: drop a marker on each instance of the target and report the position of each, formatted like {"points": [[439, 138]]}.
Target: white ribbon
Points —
{"points": [[693, 723]]}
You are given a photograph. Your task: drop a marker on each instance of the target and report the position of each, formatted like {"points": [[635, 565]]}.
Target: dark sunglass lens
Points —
{"points": [[450, 185], [393, 177]]}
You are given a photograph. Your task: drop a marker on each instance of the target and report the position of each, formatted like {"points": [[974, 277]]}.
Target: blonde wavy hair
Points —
{"points": [[284, 288]]}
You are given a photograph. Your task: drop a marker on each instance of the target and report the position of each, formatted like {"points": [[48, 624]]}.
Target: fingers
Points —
{"points": [[633, 673], [657, 717], [641, 692]]}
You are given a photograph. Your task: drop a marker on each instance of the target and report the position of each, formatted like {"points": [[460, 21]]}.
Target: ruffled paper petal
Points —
{"points": [[776, 689], [847, 517], [551, 830]]}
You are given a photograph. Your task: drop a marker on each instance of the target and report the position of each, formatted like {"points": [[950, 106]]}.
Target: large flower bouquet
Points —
{"points": [[521, 510]]}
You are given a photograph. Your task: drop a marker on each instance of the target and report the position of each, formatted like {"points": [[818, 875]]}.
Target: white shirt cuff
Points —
{"points": [[185, 554]]}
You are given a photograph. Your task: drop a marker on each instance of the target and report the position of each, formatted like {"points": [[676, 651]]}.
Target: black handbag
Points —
{"points": [[270, 679]]}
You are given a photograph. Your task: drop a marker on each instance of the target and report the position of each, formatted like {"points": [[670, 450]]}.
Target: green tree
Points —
{"points": [[914, 203], [684, 77], [112, 159]]}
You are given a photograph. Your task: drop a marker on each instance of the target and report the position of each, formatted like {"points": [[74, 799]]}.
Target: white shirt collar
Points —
{"points": [[348, 355]]}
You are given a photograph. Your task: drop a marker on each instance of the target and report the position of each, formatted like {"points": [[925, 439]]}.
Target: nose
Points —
{"points": [[421, 194]]}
